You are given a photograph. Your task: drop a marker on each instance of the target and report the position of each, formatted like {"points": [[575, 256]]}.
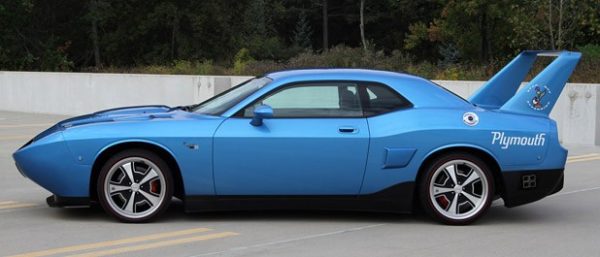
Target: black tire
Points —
{"points": [[437, 190], [121, 198]]}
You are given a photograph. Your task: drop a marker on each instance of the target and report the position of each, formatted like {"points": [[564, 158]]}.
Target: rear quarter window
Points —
{"points": [[381, 99]]}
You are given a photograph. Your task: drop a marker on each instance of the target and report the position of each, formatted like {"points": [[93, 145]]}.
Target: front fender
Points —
{"points": [[192, 153]]}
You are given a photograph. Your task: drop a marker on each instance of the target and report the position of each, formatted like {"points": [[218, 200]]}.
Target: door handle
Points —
{"points": [[348, 130]]}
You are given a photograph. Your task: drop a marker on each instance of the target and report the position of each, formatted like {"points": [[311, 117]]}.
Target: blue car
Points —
{"points": [[327, 139]]}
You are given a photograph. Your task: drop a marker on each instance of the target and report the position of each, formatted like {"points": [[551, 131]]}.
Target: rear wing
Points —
{"points": [[539, 95]]}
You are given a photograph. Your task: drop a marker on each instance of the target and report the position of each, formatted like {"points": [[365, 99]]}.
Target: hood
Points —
{"points": [[123, 113], [120, 114], [133, 113]]}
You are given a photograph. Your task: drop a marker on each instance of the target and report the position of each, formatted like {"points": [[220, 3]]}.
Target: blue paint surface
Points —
{"points": [[398, 157]]}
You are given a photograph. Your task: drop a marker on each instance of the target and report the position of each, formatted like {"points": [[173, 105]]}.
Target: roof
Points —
{"points": [[337, 72]]}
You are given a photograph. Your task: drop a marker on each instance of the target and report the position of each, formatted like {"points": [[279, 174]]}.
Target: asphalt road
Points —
{"points": [[565, 224]]}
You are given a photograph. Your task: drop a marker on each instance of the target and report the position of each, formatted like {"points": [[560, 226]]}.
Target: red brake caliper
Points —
{"points": [[154, 186], [442, 201]]}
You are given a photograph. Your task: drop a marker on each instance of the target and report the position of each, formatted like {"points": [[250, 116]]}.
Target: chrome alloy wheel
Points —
{"points": [[135, 187], [459, 189]]}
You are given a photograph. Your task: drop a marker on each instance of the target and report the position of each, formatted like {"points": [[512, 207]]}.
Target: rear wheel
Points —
{"points": [[135, 186], [457, 189]]}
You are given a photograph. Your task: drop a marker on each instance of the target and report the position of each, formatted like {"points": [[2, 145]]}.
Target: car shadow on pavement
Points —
{"points": [[176, 214], [93, 213], [523, 215]]}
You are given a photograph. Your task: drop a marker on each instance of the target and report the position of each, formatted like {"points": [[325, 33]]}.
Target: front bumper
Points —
{"points": [[49, 163], [521, 187]]}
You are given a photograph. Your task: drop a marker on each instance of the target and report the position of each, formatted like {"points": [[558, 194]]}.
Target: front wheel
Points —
{"points": [[135, 186], [457, 189]]}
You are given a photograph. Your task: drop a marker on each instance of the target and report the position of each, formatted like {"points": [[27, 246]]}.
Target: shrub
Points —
{"points": [[590, 51], [257, 68], [347, 57], [182, 67], [241, 60]]}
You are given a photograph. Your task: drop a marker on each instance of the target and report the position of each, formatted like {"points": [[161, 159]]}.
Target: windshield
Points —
{"points": [[222, 102]]}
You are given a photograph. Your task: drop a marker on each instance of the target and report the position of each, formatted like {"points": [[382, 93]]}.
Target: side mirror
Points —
{"points": [[260, 113]]}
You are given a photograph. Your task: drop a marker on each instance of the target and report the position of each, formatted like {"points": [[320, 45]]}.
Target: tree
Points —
{"points": [[362, 24], [477, 28], [562, 19], [94, 17], [260, 36], [255, 19], [79, 35], [325, 26], [557, 24], [302, 32]]}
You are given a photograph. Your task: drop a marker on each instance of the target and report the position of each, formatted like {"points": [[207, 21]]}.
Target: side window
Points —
{"points": [[382, 99], [313, 100]]}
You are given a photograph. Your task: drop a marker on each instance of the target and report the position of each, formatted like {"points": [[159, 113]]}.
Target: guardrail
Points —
{"points": [[77, 93]]}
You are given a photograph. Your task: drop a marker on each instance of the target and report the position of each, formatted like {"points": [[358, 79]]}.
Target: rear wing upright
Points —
{"points": [[539, 95]]}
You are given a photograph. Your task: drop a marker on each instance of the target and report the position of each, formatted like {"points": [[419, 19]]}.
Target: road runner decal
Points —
{"points": [[506, 141], [539, 101]]}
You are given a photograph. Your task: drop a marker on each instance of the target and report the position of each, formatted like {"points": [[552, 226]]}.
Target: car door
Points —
{"points": [[316, 143]]}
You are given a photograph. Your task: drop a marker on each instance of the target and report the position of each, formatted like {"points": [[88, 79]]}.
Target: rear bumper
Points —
{"points": [[521, 187]]}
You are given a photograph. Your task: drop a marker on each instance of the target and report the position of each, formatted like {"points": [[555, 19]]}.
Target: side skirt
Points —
{"points": [[58, 201], [397, 199]]}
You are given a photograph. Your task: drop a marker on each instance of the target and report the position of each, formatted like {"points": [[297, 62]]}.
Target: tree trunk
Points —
{"points": [[325, 27], [484, 34], [362, 24], [174, 36], [559, 36], [95, 44], [550, 24]]}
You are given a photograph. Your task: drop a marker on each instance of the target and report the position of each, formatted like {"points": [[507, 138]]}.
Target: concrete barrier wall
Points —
{"points": [[77, 93]]}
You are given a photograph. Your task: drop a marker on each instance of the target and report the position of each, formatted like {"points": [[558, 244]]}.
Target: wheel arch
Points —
{"points": [[104, 154], [487, 157]]}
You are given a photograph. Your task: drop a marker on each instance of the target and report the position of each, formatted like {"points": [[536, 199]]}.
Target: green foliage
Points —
{"points": [[339, 57], [434, 38], [476, 27], [241, 60], [418, 33], [205, 67], [590, 51], [256, 21], [259, 36], [450, 55], [342, 56], [302, 32], [270, 48]]}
